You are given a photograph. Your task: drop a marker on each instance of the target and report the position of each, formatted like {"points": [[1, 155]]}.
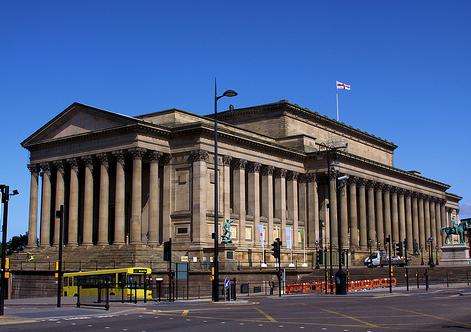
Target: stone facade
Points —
{"points": [[137, 181]]}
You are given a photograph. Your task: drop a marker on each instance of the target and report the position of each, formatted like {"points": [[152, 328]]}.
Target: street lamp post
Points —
{"points": [[5, 191], [430, 254], [60, 216], [215, 283]]}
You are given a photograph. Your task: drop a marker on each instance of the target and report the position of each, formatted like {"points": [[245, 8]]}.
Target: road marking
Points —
{"points": [[351, 317], [185, 312], [266, 315], [433, 316]]}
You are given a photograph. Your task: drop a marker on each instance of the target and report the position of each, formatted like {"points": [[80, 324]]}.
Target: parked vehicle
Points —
{"points": [[380, 258]]}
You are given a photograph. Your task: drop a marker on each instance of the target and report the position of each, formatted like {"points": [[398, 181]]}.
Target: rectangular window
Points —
{"points": [[300, 237], [248, 233], [234, 232], [276, 232], [182, 230]]}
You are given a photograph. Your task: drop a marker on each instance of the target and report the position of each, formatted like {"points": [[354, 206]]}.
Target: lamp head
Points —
{"points": [[15, 192], [229, 93]]}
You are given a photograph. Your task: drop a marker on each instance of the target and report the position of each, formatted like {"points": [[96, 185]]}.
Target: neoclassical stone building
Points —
{"points": [[128, 182]]}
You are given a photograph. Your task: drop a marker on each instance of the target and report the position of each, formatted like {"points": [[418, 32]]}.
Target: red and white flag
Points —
{"points": [[343, 86]]}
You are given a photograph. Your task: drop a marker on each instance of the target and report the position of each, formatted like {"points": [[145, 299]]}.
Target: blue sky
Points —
{"points": [[408, 63]]}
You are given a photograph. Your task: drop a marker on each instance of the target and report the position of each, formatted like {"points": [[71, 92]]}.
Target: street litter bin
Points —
{"points": [[340, 282]]}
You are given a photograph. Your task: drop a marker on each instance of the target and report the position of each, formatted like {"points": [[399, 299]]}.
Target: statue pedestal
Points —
{"points": [[227, 252], [455, 254]]}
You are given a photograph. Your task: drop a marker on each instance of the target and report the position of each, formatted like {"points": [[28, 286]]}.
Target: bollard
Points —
{"points": [[417, 277], [467, 277], [426, 280], [407, 279], [447, 280]]}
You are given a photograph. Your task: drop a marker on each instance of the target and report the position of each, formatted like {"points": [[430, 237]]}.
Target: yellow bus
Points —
{"points": [[121, 281]]}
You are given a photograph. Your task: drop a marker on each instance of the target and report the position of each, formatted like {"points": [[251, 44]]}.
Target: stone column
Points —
{"points": [[280, 201], [103, 200], [119, 236], [362, 214], [253, 193], [387, 211], [199, 158], [154, 197], [343, 241], [415, 218], [136, 195], [422, 233], [239, 196], [313, 209], [394, 215], [379, 214], [59, 165], [292, 195], [334, 227], [88, 203], [428, 232], [353, 213], [402, 215], [443, 217], [226, 187], [45, 206], [438, 220], [302, 203], [409, 231], [433, 221], [267, 203], [371, 214], [33, 206], [167, 197], [73, 203]]}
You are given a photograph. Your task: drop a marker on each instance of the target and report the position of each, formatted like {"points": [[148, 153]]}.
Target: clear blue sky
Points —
{"points": [[408, 63]]}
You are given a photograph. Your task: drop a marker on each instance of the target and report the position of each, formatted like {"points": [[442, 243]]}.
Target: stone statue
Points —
{"points": [[457, 228], [226, 232]]}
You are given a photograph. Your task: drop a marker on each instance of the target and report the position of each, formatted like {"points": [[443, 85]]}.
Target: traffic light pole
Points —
{"points": [[60, 215], [407, 270], [389, 264], [5, 197]]}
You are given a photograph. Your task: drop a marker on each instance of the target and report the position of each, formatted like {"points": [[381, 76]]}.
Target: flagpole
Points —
{"points": [[337, 99]]}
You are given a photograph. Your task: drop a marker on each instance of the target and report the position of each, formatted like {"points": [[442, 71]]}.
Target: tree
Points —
{"points": [[17, 243]]}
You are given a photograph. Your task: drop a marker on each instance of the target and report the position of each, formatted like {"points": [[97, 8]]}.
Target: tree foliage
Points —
{"points": [[17, 243]]}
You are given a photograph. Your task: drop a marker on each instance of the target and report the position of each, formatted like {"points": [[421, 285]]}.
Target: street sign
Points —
{"points": [[289, 237]]}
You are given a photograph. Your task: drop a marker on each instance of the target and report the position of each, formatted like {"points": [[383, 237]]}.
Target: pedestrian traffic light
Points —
{"points": [[342, 258], [398, 248], [168, 250], [276, 250]]}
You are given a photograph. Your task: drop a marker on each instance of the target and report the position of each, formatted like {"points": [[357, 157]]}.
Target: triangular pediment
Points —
{"points": [[78, 119]]}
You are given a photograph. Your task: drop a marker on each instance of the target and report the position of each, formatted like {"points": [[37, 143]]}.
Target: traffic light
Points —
{"points": [[168, 250], [319, 258], [276, 250], [404, 245], [342, 258], [398, 248]]}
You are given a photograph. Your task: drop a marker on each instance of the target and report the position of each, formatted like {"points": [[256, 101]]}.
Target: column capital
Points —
{"points": [[33, 168], [442, 201], [401, 191], [198, 155], [415, 194], [137, 153], [226, 160], [88, 161], [309, 177], [292, 175], [267, 170], [45, 169], [59, 165], [370, 184], [165, 158], [239, 163], [421, 196], [361, 182], [379, 186], [104, 159], [120, 156], [386, 187], [333, 174], [153, 155], [352, 180], [73, 163], [407, 192], [280, 172], [253, 167]]}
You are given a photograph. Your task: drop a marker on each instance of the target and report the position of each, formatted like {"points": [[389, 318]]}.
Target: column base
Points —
{"points": [[71, 245]]}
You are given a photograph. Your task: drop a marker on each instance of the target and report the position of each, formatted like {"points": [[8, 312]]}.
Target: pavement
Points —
{"points": [[439, 309]]}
